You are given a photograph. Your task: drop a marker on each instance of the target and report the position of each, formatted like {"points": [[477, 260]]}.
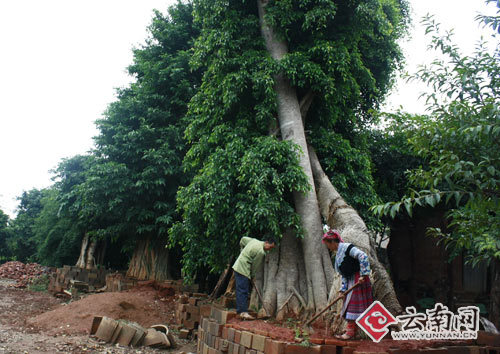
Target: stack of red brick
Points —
{"points": [[217, 336], [189, 311], [22, 273]]}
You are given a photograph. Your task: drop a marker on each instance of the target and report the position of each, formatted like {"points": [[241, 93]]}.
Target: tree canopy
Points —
{"points": [[459, 141], [342, 55]]}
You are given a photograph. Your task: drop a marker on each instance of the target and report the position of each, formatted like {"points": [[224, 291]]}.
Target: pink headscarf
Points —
{"points": [[332, 235]]}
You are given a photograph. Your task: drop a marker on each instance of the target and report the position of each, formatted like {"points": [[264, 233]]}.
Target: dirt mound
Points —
{"points": [[22, 273], [142, 305]]}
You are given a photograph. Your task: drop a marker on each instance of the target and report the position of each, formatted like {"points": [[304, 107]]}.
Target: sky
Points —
{"points": [[61, 61]]}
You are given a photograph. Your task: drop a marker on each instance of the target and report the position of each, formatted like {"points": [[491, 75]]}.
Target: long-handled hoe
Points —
{"points": [[307, 327]]}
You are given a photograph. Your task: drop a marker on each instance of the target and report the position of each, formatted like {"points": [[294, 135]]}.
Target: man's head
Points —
{"points": [[269, 243]]}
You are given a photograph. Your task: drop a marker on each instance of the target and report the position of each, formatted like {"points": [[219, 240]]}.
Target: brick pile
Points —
{"points": [[217, 336], [189, 311], [22, 273], [118, 281], [86, 279]]}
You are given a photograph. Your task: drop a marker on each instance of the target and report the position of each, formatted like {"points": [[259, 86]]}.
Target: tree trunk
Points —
{"points": [[304, 267], [306, 204], [338, 214], [150, 261], [81, 263], [495, 294], [90, 261]]}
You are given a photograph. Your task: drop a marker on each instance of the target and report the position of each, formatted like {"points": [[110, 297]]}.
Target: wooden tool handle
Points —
{"points": [[332, 303]]}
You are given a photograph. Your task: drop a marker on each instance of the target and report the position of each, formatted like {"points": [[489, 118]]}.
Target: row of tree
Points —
{"points": [[247, 118]]}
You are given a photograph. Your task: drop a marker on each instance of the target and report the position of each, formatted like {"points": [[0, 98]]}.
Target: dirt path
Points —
{"points": [[18, 307]]}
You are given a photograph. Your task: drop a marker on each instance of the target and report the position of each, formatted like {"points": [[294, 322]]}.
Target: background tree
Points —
{"points": [[459, 141], [57, 236], [4, 236], [140, 146], [280, 76], [22, 243]]}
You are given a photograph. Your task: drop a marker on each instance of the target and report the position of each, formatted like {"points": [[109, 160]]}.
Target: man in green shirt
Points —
{"points": [[246, 266]]}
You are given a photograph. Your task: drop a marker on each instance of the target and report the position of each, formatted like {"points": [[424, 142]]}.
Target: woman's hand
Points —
{"points": [[362, 279]]}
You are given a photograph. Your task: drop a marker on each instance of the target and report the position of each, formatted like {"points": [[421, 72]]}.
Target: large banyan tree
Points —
{"points": [[277, 136]]}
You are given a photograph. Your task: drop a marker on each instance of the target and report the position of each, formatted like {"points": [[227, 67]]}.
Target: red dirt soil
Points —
{"points": [[142, 305]]}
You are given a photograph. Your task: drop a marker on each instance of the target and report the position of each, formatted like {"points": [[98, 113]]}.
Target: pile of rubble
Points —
{"points": [[22, 273]]}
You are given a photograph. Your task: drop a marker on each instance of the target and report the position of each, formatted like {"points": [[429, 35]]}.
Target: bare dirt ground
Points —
{"points": [[37, 322]]}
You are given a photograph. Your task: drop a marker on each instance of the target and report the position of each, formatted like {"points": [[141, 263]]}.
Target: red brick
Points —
{"points": [[217, 343], [205, 324], [183, 333], [230, 334], [403, 351], [462, 350], [224, 333], [348, 350], [299, 349], [224, 345], [434, 350], [190, 324], [205, 310], [318, 341], [212, 351], [337, 342], [489, 339], [194, 310], [246, 339], [274, 347], [258, 342], [215, 329], [329, 349], [237, 336]]}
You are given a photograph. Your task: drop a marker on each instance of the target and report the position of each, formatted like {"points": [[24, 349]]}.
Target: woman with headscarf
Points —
{"points": [[354, 267]]}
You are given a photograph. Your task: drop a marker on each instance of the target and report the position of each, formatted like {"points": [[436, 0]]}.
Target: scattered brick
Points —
{"points": [[183, 334]]}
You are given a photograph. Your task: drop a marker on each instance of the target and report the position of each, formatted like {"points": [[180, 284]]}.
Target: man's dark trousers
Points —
{"points": [[242, 290]]}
